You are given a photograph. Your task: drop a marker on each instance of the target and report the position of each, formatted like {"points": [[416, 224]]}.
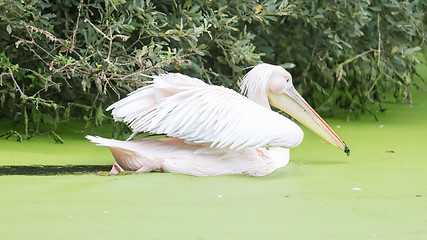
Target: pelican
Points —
{"points": [[212, 130]]}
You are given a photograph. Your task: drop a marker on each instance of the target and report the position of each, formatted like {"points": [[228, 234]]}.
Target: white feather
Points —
{"points": [[175, 156], [187, 108]]}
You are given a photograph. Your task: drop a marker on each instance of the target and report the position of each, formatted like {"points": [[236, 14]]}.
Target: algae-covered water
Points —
{"points": [[52, 191]]}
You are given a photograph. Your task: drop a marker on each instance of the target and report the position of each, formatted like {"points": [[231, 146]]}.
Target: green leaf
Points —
{"points": [[172, 31], [288, 65], [375, 9], [187, 4], [395, 48], [410, 51], [9, 29]]}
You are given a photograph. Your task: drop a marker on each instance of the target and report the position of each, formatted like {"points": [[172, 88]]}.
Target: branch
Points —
{"points": [[340, 71], [379, 39], [123, 37], [73, 41], [16, 83]]}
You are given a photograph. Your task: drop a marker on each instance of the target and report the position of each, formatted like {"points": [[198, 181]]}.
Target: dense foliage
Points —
{"points": [[62, 59]]}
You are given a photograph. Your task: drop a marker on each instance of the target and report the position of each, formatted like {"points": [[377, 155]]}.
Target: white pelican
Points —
{"points": [[213, 130]]}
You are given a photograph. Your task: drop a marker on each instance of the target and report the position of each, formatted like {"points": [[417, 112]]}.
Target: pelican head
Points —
{"points": [[268, 84]]}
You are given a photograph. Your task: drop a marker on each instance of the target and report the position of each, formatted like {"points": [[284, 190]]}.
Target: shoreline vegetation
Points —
{"points": [[71, 59]]}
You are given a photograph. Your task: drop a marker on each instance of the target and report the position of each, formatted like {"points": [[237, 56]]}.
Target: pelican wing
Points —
{"points": [[187, 108]]}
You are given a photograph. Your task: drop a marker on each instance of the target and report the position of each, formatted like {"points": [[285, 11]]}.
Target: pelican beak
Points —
{"points": [[291, 102]]}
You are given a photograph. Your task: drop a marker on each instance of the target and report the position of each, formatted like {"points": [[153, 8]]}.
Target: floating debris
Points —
{"points": [[357, 189], [338, 126], [220, 196], [381, 126], [389, 151]]}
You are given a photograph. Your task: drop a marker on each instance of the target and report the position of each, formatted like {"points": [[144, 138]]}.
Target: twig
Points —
{"points": [[379, 39], [97, 29], [112, 3], [161, 64], [341, 65], [76, 28], [16, 83], [26, 42], [112, 87], [312, 56], [123, 37], [46, 79], [44, 32], [1, 77], [368, 93]]}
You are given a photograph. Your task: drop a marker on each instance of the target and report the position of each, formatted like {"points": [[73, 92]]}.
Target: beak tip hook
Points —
{"points": [[346, 149]]}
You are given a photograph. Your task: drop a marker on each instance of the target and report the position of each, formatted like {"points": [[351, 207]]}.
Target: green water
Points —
{"points": [[378, 192]]}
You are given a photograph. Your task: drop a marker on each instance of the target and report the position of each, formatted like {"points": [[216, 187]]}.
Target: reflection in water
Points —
{"points": [[52, 170]]}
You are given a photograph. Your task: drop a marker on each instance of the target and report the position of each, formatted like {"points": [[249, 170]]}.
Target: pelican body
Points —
{"points": [[213, 130]]}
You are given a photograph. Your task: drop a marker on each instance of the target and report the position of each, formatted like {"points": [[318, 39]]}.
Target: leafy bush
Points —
{"points": [[351, 54], [64, 59]]}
